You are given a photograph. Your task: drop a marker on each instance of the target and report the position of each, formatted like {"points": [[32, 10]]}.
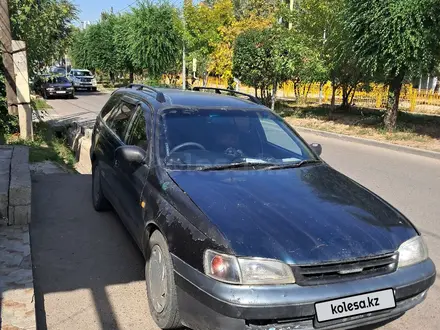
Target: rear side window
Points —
{"points": [[138, 135], [120, 119], [109, 106]]}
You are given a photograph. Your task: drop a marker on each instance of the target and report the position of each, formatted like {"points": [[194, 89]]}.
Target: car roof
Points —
{"points": [[178, 97]]}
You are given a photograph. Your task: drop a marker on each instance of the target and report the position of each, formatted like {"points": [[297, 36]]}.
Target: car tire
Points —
{"points": [[100, 202], [161, 288], [94, 89]]}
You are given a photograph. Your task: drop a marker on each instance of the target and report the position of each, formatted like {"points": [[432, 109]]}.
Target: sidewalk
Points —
{"points": [[17, 306]]}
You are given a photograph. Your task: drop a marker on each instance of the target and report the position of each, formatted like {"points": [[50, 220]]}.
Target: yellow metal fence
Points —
{"points": [[411, 99]]}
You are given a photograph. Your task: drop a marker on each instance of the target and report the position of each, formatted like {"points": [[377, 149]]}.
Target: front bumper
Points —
{"points": [[207, 304], [84, 85], [60, 93]]}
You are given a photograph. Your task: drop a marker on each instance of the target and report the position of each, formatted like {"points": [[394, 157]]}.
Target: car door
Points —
{"points": [[117, 125], [104, 142], [133, 181]]}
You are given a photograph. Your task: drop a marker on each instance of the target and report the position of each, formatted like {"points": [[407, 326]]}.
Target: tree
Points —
{"points": [[266, 58], [204, 22], [46, 27], [220, 61], [394, 40], [79, 52], [256, 8], [100, 46], [155, 38], [124, 58]]}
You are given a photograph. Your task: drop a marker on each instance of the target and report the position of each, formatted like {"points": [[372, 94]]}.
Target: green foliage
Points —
{"points": [[256, 8], [155, 38], [45, 26], [392, 40], [265, 58], [203, 24], [394, 36], [122, 27]]}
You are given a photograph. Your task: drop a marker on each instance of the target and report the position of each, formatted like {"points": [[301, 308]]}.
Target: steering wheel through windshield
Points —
{"points": [[187, 144]]}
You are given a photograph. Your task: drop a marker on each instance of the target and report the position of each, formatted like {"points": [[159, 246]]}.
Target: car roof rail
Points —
{"points": [[160, 97], [230, 91]]}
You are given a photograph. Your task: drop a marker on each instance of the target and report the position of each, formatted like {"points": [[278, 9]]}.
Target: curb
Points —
{"points": [[385, 145], [20, 187]]}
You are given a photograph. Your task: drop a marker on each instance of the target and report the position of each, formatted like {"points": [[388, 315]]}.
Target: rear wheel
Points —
{"points": [[161, 289], [100, 202]]}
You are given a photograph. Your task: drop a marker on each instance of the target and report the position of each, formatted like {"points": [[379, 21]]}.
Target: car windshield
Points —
{"points": [[82, 73], [58, 80], [207, 138]]}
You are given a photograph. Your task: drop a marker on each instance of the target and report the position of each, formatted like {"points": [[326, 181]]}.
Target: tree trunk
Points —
{"points": [[395, 87], [112, 77], [256, 91], [274, 95], [334, 88], [131, 76], [308, 91], [346, 91], [321, 85], [352, 96], [205, 79]]}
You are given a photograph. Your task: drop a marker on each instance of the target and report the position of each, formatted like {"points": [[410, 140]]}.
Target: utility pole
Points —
{"points": [[184, 68], [291, 9], [8, 61]]}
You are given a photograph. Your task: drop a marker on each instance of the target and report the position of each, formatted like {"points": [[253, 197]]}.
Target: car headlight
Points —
{"points": [[50, 89], [70, 88], [246, 271], [412, 252], [94, 81]]}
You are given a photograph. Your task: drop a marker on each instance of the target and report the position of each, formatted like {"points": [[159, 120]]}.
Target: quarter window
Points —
{"points": [[138, 135], [120, 119], [110, 106]]}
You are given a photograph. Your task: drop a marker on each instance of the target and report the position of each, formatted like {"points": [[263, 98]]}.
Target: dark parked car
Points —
{"points": [[241, 223], [52, 85]]}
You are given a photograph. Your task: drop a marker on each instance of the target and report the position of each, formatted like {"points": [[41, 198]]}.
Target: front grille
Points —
{"points": [[345, 271], [86, 79], [60, 88]]}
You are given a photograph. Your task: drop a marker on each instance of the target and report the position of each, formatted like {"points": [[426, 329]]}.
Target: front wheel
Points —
{"points": [[161, 289], [100, 202]]}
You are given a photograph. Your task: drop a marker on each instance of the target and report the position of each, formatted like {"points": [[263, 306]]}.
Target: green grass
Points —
{"points": [[47, 146], [40, 104]]}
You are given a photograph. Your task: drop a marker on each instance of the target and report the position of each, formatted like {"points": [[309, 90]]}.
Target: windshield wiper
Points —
{"points": [[294, 165], [235, 165]]}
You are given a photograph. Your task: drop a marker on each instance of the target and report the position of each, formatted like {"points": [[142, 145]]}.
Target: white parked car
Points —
{"points": [[82, 79]]}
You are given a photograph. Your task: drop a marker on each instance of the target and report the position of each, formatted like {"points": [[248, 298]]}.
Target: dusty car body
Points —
{"points": [[261, 235]]}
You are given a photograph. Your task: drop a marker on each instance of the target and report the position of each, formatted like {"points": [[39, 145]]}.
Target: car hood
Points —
{"points": [[306, 215], [59, 85]]}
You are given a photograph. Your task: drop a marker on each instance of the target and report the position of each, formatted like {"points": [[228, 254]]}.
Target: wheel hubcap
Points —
{"points": [[157, 279]]}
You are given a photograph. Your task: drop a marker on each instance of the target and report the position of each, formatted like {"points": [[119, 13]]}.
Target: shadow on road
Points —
{"points": [[79, 253]]}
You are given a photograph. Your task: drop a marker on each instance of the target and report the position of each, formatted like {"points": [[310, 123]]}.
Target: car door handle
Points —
{"points": [[116, 164]]}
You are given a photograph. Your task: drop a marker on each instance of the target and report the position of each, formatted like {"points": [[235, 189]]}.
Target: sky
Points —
{"points": [[90, 10]]}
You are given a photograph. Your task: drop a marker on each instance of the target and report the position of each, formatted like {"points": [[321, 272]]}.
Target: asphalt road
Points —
{"points": [[89, 274]]}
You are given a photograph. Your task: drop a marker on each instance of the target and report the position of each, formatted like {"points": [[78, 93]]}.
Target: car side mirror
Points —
{"points": [[317, 148], [130, 158]]}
